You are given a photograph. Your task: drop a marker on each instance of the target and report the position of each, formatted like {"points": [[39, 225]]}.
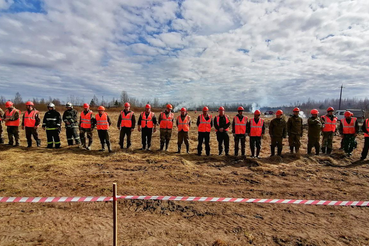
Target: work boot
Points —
{"points": [[29, 144], [272, 151], [16, 143], [102, 147], [252, 153], [109, 148], [257, 153], [236, 153], [323, 150], [297, 150], [279, 151], [161, 146], [291, 149], [128, 145], [1, 140], [220, 152], [242, 152], [167, 144], [329, 151], [38, 142], [179, 149], [187, 148]]}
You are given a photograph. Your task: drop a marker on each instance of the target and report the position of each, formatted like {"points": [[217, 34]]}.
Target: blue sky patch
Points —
{"points": [[33, 6]]}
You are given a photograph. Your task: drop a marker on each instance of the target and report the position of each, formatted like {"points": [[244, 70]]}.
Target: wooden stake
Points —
{"points": [[115, 221]]}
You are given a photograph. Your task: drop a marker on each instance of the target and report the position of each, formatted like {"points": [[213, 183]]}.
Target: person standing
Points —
{"points": [[183, 123], [239, 131], [126, 124], [31, 121], [70, 118], [256, 130], [166, 120], [221, 125], [1, 126], [102, 125], [86, 126], [12, 120], [277, 131], [146, 125], [295, 131], [365, 128], [314, 130], [204, 124], [348, 129], [52, 124], [329, 122]]}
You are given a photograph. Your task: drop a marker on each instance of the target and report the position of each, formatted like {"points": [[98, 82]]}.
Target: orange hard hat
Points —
{"points": [[257, 112], [205, 109], [296, 109], [348, 114], [330, 109], [148, 106], [127, 105], [8, 104], [240, 108], [29, 103], [183, 109], [169, 106], [101, 108], [221, 109], [279, 112], [314, 111], [86, 105]]}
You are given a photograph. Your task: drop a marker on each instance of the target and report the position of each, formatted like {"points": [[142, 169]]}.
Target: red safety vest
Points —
{"points": [[240, 126], [205, 125], [256, 129], [147, 122], [166, 123], [349, 128], [329, 125], [86, 119], [227, 121], [126, 119], [185, 124], [102, 122], [367, 128], [29, 118], [8, 115]]}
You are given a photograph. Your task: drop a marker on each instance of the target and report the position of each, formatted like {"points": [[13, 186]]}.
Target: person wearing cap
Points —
{"points": [[70, 118], [146, 124], [256, 130], [12, 121], [295, 131], [314, 130], [329, 122], [126, 124], [102, 125], [183, 123], [365, 129], [221, 125], [204, 124], [349, 128], [1, 126], [52, 124], [277, 131], [239, 124], [166, 120], [31, 121], [86, 126]]}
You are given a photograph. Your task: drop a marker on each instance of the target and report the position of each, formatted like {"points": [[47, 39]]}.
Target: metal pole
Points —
{"points": [[115, 221], [339, 106]]}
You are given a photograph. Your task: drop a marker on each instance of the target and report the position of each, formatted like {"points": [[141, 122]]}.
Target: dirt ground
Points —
{"points": [[71, 171]]}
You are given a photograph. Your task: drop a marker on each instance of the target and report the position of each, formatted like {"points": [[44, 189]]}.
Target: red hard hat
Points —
{"points": [[8, 104], [127, 105], [296, 109], [169, 106], [314, 111], [148, 106], [221, 109], [330, 109], [257, 112], [240, 108], [205, 109], [86, 105], [348, 114], [102, 108], [279, 112], [183, 109], [29, 103]]}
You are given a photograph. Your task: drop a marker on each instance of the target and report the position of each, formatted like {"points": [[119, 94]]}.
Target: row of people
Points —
{"points": [[147, 123]]}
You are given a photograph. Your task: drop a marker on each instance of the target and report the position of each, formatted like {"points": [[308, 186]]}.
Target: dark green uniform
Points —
{"points": [[70, 118], [314, 129], [1, 126], [294, 130], [277, 131]]}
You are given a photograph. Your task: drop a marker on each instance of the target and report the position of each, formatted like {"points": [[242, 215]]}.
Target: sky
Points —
{"points": [[270, 52]]}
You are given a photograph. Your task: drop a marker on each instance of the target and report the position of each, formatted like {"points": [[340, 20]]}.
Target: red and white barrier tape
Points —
{"points": [[183, 198]]}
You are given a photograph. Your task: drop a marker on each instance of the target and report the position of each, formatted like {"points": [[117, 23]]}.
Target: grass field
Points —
{"points": [[71, 171]]}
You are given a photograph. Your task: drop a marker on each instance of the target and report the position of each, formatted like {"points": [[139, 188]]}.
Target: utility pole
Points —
{"points": [[339, 106]]}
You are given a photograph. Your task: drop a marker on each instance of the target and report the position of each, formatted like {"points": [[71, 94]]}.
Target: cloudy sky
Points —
{"points": [[271, 52]]}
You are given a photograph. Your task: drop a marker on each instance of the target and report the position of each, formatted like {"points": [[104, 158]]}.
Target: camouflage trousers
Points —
{"points": [[327, 140]]}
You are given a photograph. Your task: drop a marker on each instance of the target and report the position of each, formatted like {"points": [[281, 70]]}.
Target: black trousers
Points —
{"points": [[365, 149], [53, 137], [203, 136], [125, 131], [223, 137], [30, 131], [237, 139], [13, 132], [146, 134], [71, 133], [255, 142]]}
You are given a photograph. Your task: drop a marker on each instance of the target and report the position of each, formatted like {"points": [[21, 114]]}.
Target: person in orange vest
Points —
{"points": [[255, 129], [31, 122], [183, 123], [239, 131], [348, 129], [86, 126], [146, 125], [102, 125], [314, 130], [166, 120], [12, 120], [52, 124], [126, 124], [204, 124], [277, 131], [221, 125], [1, 125], [329, 122], [365, 128]]}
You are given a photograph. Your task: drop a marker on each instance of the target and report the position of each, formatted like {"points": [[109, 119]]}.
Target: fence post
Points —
{"points": [[115, 222]]}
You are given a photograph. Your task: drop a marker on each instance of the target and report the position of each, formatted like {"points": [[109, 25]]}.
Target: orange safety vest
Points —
{"points": [[8, 115], [240, 126], [86, 119], [29, 118], [329, 125], [367, 128], [166, 123], [256, 129], [147, 122], [227, 121], [102, 122], [349, 128], [183, 125], [126, 119], [205, 125]]}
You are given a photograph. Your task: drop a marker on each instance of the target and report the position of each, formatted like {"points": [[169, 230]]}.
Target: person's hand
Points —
{"points": [[22, 127], [138, 128], [355, 134], [43, 128], [132, 129], [342, 136], [118, 128], [154, 129], [35, 127]]}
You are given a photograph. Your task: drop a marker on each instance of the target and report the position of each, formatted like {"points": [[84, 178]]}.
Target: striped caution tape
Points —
{"points": [[184, 198]]}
